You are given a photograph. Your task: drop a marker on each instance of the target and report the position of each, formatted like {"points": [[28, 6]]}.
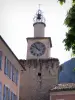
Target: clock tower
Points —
{"points": [[39, 46], [41, 69]]}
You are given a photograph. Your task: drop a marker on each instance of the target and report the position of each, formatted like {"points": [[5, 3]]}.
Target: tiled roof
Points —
{"points": [[64, 87]]}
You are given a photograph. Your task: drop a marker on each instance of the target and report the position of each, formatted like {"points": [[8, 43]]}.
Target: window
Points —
{"points": [[7, 93], [11, 71], [4, 95], [13, 96], [14, 75], [7, 68], [0, 59], [0, 91], [39, 74]]}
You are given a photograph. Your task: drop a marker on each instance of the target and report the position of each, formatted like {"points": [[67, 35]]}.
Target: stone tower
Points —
{"points": [[41, 70], [39, 46]]}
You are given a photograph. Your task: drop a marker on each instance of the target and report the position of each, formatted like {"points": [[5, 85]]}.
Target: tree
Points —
{"points": [[63, 1], [69, 41]]}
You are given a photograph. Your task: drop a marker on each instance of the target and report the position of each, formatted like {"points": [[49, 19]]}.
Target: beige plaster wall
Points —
{"points": [[4, 79]]}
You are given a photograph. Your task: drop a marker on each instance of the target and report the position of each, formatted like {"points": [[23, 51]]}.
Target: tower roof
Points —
{"points": [[39, 18]]}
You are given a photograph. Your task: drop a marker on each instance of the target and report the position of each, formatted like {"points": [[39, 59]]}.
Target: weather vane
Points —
{"points": [[39, 6]]}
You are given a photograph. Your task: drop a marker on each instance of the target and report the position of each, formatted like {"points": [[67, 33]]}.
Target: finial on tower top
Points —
{"points": [[39, 16], [39, 6]]}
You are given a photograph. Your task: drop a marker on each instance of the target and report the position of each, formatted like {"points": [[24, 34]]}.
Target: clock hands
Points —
{"points": [[35, 46]]}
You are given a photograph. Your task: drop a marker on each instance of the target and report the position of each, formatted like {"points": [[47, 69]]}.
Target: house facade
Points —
{"points": [[65, 91], [10, 70]]}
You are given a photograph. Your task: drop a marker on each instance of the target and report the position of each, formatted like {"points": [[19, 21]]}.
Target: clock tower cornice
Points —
{"points": [[42, 38], [40, 23]]}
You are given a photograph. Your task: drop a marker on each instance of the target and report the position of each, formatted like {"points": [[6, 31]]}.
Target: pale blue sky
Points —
{"points": [[16, 24]]}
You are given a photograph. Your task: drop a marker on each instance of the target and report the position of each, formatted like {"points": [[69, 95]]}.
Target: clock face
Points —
{"points": [[37, 49]]}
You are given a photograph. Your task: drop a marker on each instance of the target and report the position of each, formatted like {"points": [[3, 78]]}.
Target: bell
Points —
{"points": [[39, 16]]}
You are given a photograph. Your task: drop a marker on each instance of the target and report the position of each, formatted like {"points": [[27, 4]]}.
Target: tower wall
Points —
{"points": [[39, 29], [34, 86]]}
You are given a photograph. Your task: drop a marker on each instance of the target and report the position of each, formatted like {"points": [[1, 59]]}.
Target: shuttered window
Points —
{"points": [[13, 74], [11, 71], [13, 96], [0, 91], [0, 59], [7, 67], [16, 77], [7, 93], [4, 93]]}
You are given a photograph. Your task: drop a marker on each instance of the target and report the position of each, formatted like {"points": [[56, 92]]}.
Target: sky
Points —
{"points": [[16, 24]]}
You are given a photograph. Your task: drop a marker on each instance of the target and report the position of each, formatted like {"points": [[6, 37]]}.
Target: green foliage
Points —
{"points": [[70, 19], [62, 1], [74, 69], [69, 41], [73, 1], [70, 35]]}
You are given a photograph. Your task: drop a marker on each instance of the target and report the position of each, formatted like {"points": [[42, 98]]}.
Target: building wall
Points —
{"points": [[4, 79], [62, 95], [39, 30], [35, 87]]}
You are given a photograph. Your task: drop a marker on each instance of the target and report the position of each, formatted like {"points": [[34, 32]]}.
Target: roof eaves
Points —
{"points": [[58, 90], [11, 51]]}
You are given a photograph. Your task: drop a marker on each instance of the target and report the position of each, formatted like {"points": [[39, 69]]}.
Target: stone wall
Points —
{"points": [[39, 77]]}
